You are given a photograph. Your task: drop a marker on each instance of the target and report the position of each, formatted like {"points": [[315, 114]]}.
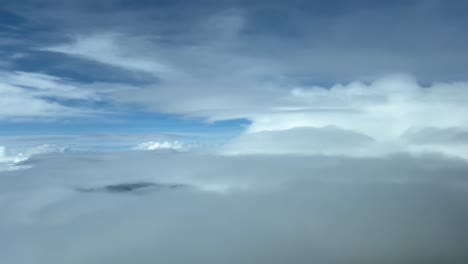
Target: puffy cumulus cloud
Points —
{"points": [[15, 160], [10, 162], [300, 209], [28, 95], [164, 145]]}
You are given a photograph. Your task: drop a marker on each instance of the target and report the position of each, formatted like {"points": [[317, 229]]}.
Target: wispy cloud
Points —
{"points": [[27, 95], [115, 50]]}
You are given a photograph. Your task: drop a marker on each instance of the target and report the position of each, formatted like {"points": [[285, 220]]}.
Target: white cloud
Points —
{"points": [[43, 85], [163, 145], [15, 160], [46, 149], [383, 110], [116, 50], [10, 162], [27, 95]]}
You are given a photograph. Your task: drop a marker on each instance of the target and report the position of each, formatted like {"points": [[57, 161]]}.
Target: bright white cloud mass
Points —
{"points": [[233, 132]]}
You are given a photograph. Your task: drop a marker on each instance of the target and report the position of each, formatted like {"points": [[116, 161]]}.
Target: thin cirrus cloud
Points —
{"points": [[102, 48], [29, 95]]}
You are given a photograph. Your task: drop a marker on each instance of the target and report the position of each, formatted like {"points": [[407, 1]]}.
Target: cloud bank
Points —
{"points": [[254, 209]]}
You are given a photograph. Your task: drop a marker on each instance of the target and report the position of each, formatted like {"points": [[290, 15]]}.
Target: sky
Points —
{"points": [[299, 131], [111, 67]]}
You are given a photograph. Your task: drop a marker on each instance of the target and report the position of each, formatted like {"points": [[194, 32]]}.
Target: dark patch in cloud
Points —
{"points": [[134, 187]]}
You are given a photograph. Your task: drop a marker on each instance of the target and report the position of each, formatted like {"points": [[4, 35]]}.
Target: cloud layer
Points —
{"points": [[254, 209]]}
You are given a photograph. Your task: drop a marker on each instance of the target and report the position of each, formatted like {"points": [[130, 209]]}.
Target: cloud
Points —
{"points": [[156, 145], [302, 209], [15, 160], [320, 41], [209, 81], [46, 149], [10, 162], [227, 85], [301, 140], [111, 49], [384, 110], [437, 136], [27, 95]]}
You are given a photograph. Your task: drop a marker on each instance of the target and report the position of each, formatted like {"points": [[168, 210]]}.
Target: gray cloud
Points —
{"points": [[251, 209], [302, 140], [437, 136]]}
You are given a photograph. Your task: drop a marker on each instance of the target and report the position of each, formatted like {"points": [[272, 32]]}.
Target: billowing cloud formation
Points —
{"points": [[16, 160], [273, 209], [9, 162], [397, 112]]}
